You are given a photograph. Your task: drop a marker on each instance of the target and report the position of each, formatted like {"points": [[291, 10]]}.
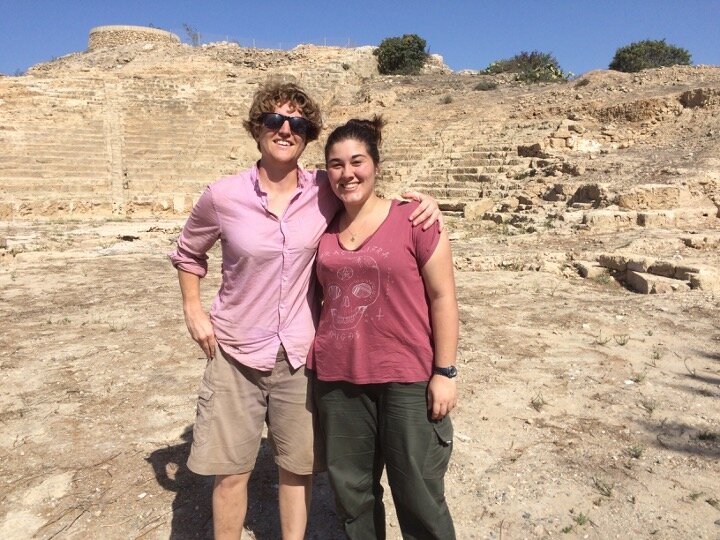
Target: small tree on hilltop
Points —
{"points": [[530, 67], [648, 54], [192, 34], [401, 55]]}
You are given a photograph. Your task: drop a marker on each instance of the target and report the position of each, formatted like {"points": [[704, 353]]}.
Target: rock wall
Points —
{"points": [[115, 36]]}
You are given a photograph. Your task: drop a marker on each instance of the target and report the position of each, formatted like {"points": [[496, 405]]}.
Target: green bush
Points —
{"points": [[401, 55], [484, 86], [582, 82], [648, 54], [192, 34], [530, 67]]}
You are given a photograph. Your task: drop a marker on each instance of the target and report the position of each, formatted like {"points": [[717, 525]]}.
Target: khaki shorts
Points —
{"points": [[233, 404]]}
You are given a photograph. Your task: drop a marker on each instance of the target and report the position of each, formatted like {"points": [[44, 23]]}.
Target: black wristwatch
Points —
{"points": [[449, 372]]}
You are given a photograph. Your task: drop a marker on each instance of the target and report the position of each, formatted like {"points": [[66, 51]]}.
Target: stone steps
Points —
{"points": [[45, 168], [450, 193], [18, 187], [55, 153]]}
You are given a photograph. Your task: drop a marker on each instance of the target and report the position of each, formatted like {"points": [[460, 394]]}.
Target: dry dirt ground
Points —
{"points": [[587, 411]]}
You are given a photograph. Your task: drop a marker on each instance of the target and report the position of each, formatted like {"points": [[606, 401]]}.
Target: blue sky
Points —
{"points": [[582, 34]]}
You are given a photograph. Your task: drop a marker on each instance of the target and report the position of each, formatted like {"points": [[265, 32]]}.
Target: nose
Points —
{"points": [[347, 171], [285, 128]]}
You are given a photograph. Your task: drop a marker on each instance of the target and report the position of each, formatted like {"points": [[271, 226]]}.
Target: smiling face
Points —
{"points": [[282, 145], [351, 171]]}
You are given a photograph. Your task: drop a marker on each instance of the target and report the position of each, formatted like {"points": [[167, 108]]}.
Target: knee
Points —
{"points": [[293, 479], [228, 484]]}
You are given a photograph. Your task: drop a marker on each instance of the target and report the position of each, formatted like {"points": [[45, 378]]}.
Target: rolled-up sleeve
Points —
{"points": [[200, 232]]}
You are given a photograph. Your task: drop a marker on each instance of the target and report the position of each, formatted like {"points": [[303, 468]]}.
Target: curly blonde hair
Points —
{"points": [[271, 95]]}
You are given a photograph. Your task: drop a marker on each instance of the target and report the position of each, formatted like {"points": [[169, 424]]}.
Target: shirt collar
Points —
{"points": [[303, 177]]}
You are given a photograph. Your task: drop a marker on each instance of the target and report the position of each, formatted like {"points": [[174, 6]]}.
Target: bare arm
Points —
{"points": [[439, 282], [427, 213], [197, 321]]}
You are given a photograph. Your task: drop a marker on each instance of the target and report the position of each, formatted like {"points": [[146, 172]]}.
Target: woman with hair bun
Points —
{"points": [[385, 349]]}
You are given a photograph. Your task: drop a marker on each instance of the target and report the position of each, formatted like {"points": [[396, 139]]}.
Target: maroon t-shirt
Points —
{"points": [[375, 320]]}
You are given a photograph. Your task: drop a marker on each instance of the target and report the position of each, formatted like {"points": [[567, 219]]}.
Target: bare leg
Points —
{"points": [[229, 503], [294, 495]]}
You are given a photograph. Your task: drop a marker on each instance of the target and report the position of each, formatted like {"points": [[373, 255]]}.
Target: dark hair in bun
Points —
{"points": [[368, 132]]}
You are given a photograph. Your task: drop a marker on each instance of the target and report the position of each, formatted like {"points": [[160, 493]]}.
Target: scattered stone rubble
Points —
{"points": [[650, 276]]}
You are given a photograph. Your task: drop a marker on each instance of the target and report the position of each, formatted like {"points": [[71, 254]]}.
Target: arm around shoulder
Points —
{"points": [[427, 212]]}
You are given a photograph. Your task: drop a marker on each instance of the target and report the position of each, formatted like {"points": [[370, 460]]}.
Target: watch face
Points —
{"points": [[450, 371]]}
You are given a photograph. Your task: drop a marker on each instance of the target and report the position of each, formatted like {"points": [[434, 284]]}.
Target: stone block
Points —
{"points": [[557, 143], [652, 284], [659, 218], [571, 217], [662, 268], [531, 150], [613, 261], [560, 192], [180, 204], [451, 206], [640, 264], [589, 269], [654, 197], [585, 192], [588, 145], [609, 220], [705, 281], [477, 209], [684, 272]]}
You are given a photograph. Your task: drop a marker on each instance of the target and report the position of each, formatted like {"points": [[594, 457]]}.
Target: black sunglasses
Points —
{"points": [[298, 124]]}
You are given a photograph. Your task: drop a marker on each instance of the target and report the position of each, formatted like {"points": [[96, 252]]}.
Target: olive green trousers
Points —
{"points": [[367, 428]]}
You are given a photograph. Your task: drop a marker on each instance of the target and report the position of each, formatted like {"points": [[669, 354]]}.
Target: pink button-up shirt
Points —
{"points": [[267, 294]]}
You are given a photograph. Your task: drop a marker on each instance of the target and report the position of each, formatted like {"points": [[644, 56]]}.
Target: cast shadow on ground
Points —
{"points": [[192, 506], [707, 379], [711, 355], [685, 438]]}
